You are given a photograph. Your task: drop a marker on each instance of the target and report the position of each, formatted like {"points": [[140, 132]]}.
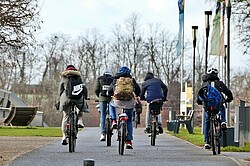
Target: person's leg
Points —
{"points": [[223, 114], [63, 127], [129, 113], [160, 124], [147, 121], [113, 115], [103, 107], [206, 129]]}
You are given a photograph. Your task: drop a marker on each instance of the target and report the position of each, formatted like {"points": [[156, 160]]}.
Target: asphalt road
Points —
{"points": [[168, 151]]}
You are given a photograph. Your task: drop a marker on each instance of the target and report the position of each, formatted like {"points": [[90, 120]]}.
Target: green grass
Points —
{"points": [[31, 131], [198, 139]]}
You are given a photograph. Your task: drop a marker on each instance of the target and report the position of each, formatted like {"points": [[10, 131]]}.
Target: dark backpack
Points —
{"points": [[213, 99], [105, 82], [74, 89]]}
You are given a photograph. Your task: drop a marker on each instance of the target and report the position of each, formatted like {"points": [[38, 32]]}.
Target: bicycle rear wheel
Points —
{"points": [[72, 134], [108, 131], [217, 136], [153, 133], [213, 136], [121, 137]]}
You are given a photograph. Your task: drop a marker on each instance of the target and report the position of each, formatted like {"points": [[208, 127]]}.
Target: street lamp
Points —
{"points": [[194, 33], [228, 7], [207, 26]]}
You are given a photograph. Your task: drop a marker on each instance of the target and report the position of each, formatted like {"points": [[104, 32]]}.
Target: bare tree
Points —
{"points": [[241, 16], [18, 22]]}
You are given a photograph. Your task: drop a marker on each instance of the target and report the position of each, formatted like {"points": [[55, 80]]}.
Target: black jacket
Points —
{"points": [[207, 78]]}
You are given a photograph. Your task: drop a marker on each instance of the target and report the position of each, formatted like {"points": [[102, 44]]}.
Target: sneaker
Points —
{"points": [[114, 124], [207, 146], [80, 126], [147, 130], [223, 125], [129, 145], [160, 129], [64, 142], [103, 138]]}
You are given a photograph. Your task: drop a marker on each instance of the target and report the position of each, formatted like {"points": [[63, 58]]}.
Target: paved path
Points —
{"points": [[169, 151]]}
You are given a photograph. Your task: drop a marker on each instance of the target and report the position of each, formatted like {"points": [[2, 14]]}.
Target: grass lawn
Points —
{"points": [[198, 139], [30, 131]]}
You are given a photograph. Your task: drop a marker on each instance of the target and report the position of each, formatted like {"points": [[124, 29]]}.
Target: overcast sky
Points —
{"points": [[75, 16]]}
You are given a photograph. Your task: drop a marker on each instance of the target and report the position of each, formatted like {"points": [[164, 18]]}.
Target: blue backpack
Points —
{"points": [[214, 99]]}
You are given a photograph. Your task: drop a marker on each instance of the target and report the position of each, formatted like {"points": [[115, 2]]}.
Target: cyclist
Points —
{"points": [[64, 100], [212, 76], [101, 86], [127, 105], [154, 89]]}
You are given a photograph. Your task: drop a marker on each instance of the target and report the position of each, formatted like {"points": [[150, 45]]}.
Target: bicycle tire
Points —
{"points": [[218, 135], [153, 133], [212, 136], [108, 131], [122, 131], [71, 134]]}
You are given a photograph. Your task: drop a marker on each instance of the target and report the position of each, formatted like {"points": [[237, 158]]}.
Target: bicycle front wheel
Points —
{"points": [[153, 133], [122, 136]]}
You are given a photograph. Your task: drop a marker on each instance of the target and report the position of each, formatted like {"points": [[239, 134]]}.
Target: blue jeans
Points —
{"points": [[103, 112], [129, 113], [207, 123]]}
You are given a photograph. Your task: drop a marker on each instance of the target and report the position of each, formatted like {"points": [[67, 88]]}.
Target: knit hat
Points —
{"points": [[124, 70]]}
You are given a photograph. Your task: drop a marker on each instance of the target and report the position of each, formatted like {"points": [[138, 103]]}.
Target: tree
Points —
{"points": [[241, 16], [18, 22]]}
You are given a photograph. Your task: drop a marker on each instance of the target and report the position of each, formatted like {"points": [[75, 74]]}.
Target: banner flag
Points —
{"points": [[215, 40], [222, 43], [181, 22]]}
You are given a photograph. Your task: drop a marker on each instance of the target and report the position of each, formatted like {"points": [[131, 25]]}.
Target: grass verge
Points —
{"points": [[198, 139], [30, 131]]}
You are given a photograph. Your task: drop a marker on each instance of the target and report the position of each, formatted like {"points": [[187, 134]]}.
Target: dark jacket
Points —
{"points": [[97, 89], [207, 78], [154, 88]]}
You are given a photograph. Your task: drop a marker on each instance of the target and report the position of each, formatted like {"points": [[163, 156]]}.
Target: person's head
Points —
{"points": [[149, 75], [71, 67], [212, 71], [124, 70]]}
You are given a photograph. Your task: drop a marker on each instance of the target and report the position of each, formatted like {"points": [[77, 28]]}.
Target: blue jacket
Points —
{"points": [[154, 88]]}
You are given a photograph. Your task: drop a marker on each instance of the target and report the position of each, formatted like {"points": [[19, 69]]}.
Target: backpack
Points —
{"points": [[124, 89], [74, 89], [105, 82], [213, 99], [138, 107]]}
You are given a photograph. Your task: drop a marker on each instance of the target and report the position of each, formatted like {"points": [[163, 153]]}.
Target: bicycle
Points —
{"points": [[215, 131], [108, 124], [71, 127], [155, 108], [122, 131]]}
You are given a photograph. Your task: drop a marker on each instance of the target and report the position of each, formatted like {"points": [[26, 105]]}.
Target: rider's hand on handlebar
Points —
{"points": [[228, 100]]}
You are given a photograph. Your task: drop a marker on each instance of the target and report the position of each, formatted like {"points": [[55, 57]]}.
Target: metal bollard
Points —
{"points": [[89, 162]]}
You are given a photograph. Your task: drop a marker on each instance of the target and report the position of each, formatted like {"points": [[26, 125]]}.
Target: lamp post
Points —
{"points": [[207, 26], [194, 33], [228, 7]]}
